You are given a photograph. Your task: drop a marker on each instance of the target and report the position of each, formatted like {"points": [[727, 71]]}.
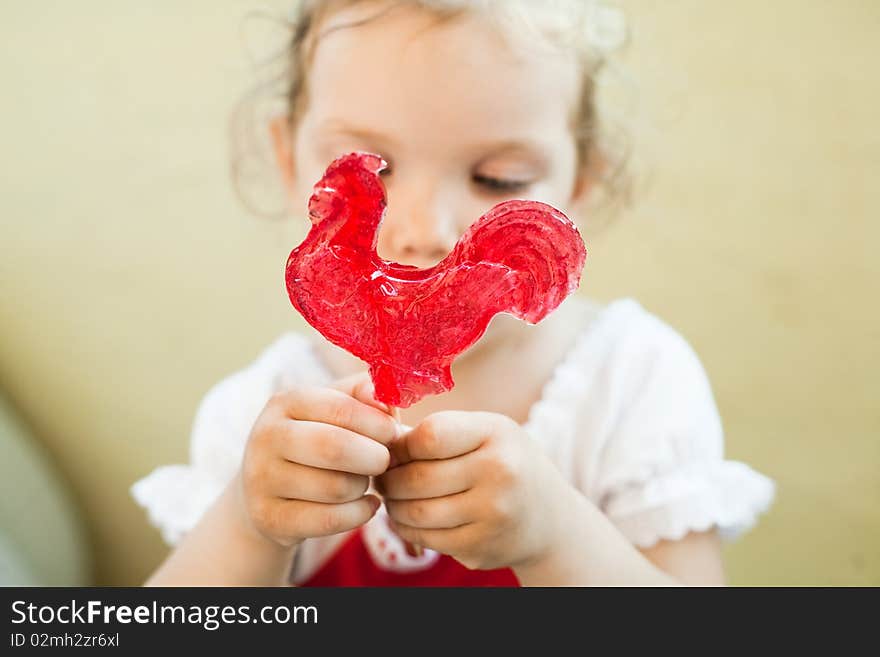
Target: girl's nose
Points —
{"points": [[416, 234]]}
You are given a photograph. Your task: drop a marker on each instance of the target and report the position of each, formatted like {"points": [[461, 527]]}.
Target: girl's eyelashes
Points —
{"points": [[490, 184], [500, 185]]}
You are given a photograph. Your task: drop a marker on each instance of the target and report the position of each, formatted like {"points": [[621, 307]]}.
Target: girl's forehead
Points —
{"points": [[409, 72]]}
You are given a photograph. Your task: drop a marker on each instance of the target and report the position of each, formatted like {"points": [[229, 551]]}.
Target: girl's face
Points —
{"points": [[463, 121]]}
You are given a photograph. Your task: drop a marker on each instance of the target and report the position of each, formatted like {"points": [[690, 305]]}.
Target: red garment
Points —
{"points": [[351, 565]]}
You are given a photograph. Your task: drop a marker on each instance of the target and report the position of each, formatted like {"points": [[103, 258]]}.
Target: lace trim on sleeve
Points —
{"points": [[175, 498], [727, 495]]}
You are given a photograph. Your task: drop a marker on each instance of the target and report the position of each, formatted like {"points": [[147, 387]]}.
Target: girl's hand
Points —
{"points": [[475, 486], [308, 459]]}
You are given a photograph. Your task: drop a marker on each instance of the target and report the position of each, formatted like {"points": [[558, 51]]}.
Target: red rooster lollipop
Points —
{"points": [[409, 324]]}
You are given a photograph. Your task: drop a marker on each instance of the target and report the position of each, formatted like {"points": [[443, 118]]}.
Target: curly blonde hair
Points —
{"points": [[592, 30]]}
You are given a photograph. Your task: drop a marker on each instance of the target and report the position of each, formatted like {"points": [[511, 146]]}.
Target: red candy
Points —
{"points": [[409, 324]]}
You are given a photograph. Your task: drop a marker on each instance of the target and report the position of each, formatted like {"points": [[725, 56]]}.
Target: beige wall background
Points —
{"points": [[131, 279]]}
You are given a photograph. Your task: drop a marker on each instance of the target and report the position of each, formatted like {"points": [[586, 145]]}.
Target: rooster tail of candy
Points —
{"points": [[348, 202], [540, 246], [403, 389]]}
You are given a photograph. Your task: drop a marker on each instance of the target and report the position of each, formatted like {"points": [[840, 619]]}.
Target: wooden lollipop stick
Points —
{"points": [[412, 549]]}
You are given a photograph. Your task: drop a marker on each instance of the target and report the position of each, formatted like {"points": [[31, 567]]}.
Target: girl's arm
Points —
{"points": [[224, 550], [694, 560], [595, 553]]}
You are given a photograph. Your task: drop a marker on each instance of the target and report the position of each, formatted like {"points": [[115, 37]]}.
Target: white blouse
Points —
{"points": [[628, 417]]}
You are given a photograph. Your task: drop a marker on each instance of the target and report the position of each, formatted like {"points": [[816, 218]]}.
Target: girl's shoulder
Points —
{"points": [[623, 353], [625, 331]]}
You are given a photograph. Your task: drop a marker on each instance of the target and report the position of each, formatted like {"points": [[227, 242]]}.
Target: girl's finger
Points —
{"points": [[336, 407], [444, 435], [309, 519], [435, 513], [301, 482], [331, 448], [423, 479], [445, 541]]}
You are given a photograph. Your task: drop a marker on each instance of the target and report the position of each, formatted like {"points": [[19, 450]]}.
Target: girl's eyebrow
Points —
{"points": [[525, 145], [335, 126], [534, 150]]}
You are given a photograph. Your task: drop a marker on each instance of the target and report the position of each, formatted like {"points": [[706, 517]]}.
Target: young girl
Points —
{"points": [[585, 450]]}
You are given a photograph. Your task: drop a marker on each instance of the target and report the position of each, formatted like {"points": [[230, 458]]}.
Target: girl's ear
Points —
{"points": [[282, 144], [583, 184], [587, 177]]}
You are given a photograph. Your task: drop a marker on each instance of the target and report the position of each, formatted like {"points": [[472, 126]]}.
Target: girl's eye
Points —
{"points": [[500, 184]]}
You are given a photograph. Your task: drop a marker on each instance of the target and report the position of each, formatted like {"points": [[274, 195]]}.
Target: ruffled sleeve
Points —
{"points": [[661, 471], [176, 496]]}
